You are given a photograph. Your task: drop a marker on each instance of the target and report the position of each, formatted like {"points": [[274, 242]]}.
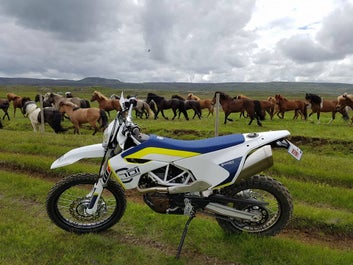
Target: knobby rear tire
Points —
{"points": [[254, 186], [69, 217]]}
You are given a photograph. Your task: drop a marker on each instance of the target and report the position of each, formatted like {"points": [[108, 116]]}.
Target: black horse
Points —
{"points": [[190, 104], [162, 104], [4, 105], [51, 115]]}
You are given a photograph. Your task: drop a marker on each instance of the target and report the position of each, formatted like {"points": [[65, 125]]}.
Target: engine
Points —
{"points": [[159, 201]]}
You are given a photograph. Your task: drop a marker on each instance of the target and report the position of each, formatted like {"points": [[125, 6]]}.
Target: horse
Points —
{"points": [[299, 107], [162, 104], [80, 116], [84, 103], [230, 105], [17, 101], [143, 108], [190, 104], [345, 100], [105, 103], [204, 103], [51, 115], [318, 104], [4, 105], [273, 100], [267, 106], [54, 99]]}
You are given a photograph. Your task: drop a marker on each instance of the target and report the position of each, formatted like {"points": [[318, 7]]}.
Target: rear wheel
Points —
{"points": [[275, 213], [67, 202]]}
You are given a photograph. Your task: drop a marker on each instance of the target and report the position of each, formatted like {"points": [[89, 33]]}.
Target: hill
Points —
{"points": [[324, 89]]}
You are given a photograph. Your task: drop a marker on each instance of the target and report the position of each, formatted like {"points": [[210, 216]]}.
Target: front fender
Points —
{"points": [[89, 151]]}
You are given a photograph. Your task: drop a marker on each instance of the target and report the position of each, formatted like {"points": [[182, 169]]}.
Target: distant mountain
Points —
{"points": [[89, 81], [323, 89]]}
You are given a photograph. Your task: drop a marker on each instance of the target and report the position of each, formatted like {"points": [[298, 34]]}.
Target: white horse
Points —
{"points": [[52, 116]]}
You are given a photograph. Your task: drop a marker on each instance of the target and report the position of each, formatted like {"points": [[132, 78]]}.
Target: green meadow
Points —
{"points": [[320, 232]]}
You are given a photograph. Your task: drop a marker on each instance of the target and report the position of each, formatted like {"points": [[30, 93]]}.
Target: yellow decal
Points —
{"points": [[161, 151], [116, 176]]}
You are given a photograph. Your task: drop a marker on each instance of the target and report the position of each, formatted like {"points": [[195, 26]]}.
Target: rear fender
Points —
{"points": [[74, 155]]}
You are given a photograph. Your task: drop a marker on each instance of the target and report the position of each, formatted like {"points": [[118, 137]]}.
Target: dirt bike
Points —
{"points": [[218, 176]]}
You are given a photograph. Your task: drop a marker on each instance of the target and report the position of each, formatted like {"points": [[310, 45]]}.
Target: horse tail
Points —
{"points": [[153, 107], [103, 119], [258, 110], [150, 112]]}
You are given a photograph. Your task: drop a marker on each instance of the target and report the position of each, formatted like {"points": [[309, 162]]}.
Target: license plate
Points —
{"points": [[295, 151]]}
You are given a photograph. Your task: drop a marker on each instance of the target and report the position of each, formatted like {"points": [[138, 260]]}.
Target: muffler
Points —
{"points": [[224, 210], [256, 162]]}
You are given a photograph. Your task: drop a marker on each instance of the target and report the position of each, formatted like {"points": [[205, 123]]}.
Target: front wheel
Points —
{"points": [[275, 212], [68, 200]]}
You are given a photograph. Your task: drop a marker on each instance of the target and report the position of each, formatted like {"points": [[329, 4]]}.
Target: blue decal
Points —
{"points": [[232, 167]]}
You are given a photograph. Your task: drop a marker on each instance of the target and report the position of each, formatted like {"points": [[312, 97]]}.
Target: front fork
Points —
{"points": [[96, 192]]}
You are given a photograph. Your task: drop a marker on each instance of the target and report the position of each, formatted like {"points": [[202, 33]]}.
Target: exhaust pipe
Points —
{"points": [[231, 212], [256, 162]]}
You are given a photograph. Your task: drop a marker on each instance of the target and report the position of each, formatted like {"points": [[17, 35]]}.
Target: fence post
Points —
{"points": [[41, 113], [216, 115]]}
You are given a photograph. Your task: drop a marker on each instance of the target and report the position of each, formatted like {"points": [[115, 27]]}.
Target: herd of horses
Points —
{"points": [[79, 111]]}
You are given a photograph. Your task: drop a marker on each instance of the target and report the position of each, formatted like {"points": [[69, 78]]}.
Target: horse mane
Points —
{"points": [[313, 98], [279, 97], [192, 96], [152, 95], [178, 97], [348, 96], [222, 95], [100, 95], [241, 96]]}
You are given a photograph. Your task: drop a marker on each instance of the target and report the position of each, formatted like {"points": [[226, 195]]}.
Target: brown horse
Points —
{"points": [[345, 100], [204, 103], [267, 106], [4, 105], [190, 104], [230, 105], [80, 116], [17, 101], [105, 103], [299, 107], [319, 105]]}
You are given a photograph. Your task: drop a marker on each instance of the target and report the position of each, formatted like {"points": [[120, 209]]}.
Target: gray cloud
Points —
{"points": [[77, 20], [160, 40]]}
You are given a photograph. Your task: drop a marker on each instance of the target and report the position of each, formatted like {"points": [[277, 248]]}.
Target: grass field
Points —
{"points": [[321, 231]]}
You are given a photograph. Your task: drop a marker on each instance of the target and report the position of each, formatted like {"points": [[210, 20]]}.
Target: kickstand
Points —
{"points": [[181, 243]]}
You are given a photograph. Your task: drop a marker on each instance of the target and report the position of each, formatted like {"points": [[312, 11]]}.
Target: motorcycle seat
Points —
{"points": [[197, 146]]}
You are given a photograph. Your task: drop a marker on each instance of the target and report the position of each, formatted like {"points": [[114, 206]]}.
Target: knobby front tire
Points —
{"points": [[275, 214], [67, 200]]}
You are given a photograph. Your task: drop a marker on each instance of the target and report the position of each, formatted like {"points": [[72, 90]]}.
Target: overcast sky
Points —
{"points": [[178, 41]]}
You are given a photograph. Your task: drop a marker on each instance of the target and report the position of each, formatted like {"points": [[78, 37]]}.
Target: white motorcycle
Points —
{"points": [[218, 176]]}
